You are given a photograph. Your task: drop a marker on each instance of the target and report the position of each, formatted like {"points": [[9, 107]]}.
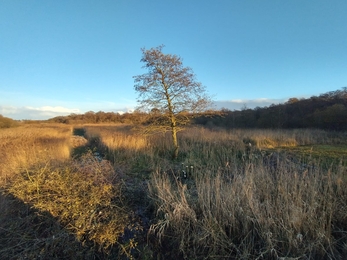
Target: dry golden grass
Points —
{"points": [[287, 138], [82, 195], [253, 216], [239, 202], [123, 146], [76, 209], [117, 137], [25, 146], [238, 206], [265, 138]]}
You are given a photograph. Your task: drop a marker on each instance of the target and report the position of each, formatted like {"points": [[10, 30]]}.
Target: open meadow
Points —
{"points": [[230, 194]]}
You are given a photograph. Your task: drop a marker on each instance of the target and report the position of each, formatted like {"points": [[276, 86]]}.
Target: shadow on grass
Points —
{"points": [[80, 131], [82, 146], [27, 233]]}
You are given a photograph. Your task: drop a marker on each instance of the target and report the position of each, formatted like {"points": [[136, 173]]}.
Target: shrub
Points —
{"points": [[6, 122], [84, 195]]}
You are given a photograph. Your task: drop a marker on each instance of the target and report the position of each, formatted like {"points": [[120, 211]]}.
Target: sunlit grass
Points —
{"points": [[126, 148], [238, 204], [118, 137], [78, 201], [25, 146], [249, 193], [83, 195]]}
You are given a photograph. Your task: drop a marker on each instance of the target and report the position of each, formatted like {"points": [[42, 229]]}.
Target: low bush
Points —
{"points": [[84, 196], [6, 122]]}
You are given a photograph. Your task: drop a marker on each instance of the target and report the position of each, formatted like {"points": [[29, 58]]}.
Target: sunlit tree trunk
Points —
{"points": [[174, 139], [173, 122]]}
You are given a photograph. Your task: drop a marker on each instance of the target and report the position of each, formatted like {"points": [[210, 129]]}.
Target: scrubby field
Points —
{"points": [[53, 206], [236, 194]]}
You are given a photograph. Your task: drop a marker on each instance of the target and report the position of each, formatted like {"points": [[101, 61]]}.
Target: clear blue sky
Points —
{"points": [[60, 57]]}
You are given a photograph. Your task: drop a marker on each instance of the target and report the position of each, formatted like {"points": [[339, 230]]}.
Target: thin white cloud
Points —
{"points": [[235, 101], [125, 110], [36, 113], [58, 109], [46, 112], [7, 110]]}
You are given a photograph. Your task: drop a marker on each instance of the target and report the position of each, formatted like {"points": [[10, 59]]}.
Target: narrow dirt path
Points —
{"points": [[140, 212]]}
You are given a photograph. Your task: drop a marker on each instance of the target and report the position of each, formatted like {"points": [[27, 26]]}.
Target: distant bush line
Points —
{"points": [[327, 111], [6, 122]]}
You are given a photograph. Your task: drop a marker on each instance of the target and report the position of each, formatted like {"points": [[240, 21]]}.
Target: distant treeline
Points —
{"points": [[327, 111], [99, 117]]}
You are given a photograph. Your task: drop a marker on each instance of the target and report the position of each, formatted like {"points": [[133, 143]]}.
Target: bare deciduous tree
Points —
{"points": [[170, 90]]}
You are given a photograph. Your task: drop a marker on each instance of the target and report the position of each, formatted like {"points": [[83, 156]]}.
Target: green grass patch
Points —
{"points": [[326, 155], [320, 151]]}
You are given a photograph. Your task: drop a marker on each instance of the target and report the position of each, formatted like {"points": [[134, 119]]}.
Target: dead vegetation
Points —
{"points": [[243, 197], [60, 207]]}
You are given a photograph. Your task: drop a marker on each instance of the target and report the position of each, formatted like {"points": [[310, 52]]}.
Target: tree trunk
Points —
{"points": [[174, 141]]}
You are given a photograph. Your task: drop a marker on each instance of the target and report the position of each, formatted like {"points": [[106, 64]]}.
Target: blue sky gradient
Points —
{"points": [[62, 57]]}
